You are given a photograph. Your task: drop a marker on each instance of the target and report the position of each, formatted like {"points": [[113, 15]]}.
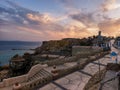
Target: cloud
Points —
{"points": [[70, 6], [67, 3], [37, 26], [95, 21], [17, 14], [110, 27], [86, 18], [2, 22], [108, 5], [45, 18], [25, 17]]}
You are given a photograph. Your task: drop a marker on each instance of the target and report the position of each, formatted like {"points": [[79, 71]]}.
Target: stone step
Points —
{"points": [[83, 72], [98, 63], [47, 73], [31, 78], [42, 74], [36, 76]]}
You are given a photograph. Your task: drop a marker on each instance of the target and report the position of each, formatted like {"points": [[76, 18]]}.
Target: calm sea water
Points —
{"points": [[6, 47]]}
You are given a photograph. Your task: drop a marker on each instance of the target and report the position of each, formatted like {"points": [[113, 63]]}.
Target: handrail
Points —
{"points": [[117, 76]]}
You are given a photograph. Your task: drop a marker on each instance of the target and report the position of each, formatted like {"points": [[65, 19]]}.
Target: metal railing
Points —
{"points": [[117, 76]]}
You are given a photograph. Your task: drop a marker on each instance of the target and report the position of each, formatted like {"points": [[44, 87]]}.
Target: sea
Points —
{"points": [[10, 48]]}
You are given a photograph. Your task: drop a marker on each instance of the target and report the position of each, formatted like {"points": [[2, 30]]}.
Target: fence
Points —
{"points": [[116, 77]]}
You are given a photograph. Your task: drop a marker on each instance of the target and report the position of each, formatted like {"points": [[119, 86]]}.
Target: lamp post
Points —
{"points": [[99, 67]]}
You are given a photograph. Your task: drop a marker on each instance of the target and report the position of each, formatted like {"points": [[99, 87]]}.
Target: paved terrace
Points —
{"points": [[78, 79]]}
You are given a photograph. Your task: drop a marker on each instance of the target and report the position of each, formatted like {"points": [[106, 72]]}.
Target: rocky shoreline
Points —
{"points": [[22, 49]]}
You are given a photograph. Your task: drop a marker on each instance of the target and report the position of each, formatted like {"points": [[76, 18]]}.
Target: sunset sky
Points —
{"points": [[38, 20]]}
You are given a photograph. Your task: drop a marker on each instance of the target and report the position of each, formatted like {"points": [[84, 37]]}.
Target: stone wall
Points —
{"points": [[36, 83], [34, 70], [71, 59], [84, 51], [11, 81], [69, 70], [22, 78], [60, 61]]}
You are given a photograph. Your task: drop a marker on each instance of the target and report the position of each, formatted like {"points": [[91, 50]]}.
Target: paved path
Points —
{"points": [[78, 79]]}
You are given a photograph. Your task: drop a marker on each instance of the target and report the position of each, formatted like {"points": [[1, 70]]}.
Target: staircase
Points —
{"points": [[37, 80]]}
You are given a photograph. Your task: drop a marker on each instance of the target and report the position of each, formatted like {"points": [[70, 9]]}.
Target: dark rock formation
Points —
{"points": [[62, 47], [113, 67], [20, 64]]}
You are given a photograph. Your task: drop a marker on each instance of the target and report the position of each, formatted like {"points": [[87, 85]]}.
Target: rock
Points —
{"points": [[62, 47], [113, 67], [19, 64]]}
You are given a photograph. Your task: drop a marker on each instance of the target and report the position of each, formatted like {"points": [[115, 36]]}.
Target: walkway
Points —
{"points": [[78, 79]]}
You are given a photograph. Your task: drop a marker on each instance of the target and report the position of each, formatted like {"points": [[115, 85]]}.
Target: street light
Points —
{"points": [[99, 67]]}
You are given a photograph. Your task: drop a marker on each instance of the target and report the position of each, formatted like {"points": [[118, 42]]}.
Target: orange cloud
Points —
{"points": [[72, 30], [29, 30], [110, 27], [46, 18]]}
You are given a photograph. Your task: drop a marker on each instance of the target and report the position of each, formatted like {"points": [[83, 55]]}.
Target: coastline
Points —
{"points": [[10, 48], [22, 49], [7, 54]]}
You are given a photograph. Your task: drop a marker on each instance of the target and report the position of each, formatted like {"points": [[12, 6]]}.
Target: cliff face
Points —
{"points": [[62, 47], [59, 47]]}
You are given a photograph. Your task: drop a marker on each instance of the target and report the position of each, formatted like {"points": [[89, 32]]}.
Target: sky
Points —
{"points": [[39, 20]]}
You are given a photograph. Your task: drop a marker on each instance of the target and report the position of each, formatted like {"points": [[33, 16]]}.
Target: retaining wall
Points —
{"points": [[22, 78]]}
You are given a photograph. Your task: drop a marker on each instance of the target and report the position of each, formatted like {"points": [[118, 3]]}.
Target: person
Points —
{"points": [[17, 86]]}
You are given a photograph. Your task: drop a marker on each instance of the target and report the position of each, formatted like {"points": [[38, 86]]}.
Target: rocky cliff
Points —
{"points": [[61, 47]]}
